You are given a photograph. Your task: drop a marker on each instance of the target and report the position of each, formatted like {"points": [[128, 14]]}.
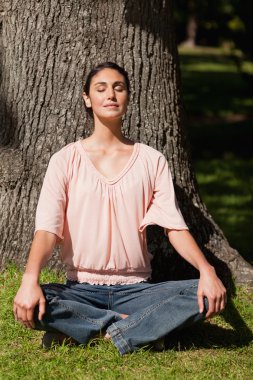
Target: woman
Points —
{"points": [[97, 198]]}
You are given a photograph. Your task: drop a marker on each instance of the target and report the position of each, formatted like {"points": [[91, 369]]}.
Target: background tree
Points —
{"points": [[46, 46], [212, 23], [189, 19]]}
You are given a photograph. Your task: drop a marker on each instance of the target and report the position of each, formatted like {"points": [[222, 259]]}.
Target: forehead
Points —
{"points": [[108, 75]]}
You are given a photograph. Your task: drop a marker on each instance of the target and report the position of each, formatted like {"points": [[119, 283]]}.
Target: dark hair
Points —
{"points": [[96, 70]]}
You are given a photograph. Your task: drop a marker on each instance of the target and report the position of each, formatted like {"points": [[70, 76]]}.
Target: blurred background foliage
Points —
{"points": [[216, 56], [216, 23]]}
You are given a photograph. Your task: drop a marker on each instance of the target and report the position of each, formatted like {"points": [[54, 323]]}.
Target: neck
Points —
{"points": [[108, 133]]}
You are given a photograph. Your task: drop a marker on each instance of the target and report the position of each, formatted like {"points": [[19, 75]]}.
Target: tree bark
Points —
{"points": [[48, 46]]}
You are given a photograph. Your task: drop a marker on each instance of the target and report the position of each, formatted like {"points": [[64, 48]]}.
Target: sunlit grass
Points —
{"points": [[247, 67], [211, 67]]}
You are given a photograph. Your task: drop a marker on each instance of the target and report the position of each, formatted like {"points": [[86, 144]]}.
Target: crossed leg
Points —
{"points": [[139, 313], [154, 311], [77, 312]]}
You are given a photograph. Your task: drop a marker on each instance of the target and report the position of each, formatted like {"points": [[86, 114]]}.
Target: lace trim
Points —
{"points": [[103, 279]]}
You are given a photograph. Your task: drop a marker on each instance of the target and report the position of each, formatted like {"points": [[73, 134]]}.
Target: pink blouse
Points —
{"points": [[101, 222]]}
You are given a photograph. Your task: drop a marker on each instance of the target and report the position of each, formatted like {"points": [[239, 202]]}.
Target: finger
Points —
{"points": [[15, 312], [30, 321], [201, 303], [26, 324], [19, 314], [223, 302], [218, 306], [211, 308], [24, 318], [42, 309]]}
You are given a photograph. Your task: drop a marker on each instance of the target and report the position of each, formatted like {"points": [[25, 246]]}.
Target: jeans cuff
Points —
{"points": [[118, 339]]}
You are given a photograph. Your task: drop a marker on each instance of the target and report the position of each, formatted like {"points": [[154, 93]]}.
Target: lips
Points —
{"points": [[111, 105]]}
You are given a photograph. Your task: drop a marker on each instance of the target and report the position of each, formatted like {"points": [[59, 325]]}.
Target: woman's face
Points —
{"points": [[108, 95]]}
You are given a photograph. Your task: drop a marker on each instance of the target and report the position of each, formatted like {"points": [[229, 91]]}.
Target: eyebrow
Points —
{"points": [[105, 83]]}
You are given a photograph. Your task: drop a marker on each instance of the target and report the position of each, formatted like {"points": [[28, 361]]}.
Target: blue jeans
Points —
{"points": [[82, 311]]}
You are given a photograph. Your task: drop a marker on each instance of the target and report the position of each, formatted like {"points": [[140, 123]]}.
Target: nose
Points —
{"points": [[110, 93]]}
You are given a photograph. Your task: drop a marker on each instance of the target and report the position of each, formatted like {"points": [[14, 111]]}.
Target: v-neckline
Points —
{"points": [[118, 176]]}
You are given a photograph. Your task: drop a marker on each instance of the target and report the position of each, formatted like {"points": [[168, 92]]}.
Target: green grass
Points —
{"points": [[212, 84], [227, 188], [218, 349], [219, 103]]}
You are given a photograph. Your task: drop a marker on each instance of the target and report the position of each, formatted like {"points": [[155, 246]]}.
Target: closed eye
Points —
{"points": [[119, 88]]}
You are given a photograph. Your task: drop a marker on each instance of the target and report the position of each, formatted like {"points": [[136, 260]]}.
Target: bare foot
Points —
{"points": [[107, 336]]}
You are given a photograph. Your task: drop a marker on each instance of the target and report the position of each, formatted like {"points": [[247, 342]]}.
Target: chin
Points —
{"points": [[113, 114], [109, 117]]}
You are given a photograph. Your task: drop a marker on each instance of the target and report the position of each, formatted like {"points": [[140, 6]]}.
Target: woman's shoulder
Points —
{"points": [[64, 159], [65, 152], [65, 149], [151, 152]]}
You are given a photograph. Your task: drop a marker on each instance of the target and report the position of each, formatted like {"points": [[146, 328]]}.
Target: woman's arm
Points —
{"points": [[30, 294], [209, 284]]}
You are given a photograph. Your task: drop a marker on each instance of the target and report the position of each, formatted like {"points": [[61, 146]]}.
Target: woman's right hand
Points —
{"points": [[28, 296], [30, 293]]}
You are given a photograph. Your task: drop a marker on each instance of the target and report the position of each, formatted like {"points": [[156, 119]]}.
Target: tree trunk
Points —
{"points": [[46, 47]]}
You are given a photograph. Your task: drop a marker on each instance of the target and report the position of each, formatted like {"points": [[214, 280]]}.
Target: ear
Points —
{"points": [[86, 99]]}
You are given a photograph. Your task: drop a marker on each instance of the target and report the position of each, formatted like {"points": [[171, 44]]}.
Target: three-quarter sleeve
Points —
{"points": [[163, 209], [50, 212]]}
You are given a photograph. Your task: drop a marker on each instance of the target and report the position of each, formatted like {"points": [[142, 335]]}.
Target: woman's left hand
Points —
{"points": [[211, 287]]}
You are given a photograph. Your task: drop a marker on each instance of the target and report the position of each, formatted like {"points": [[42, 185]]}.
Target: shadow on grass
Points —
{"points": [[212, 85], [219, 104], [210, 336], [227, 188], [221, 139]]}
